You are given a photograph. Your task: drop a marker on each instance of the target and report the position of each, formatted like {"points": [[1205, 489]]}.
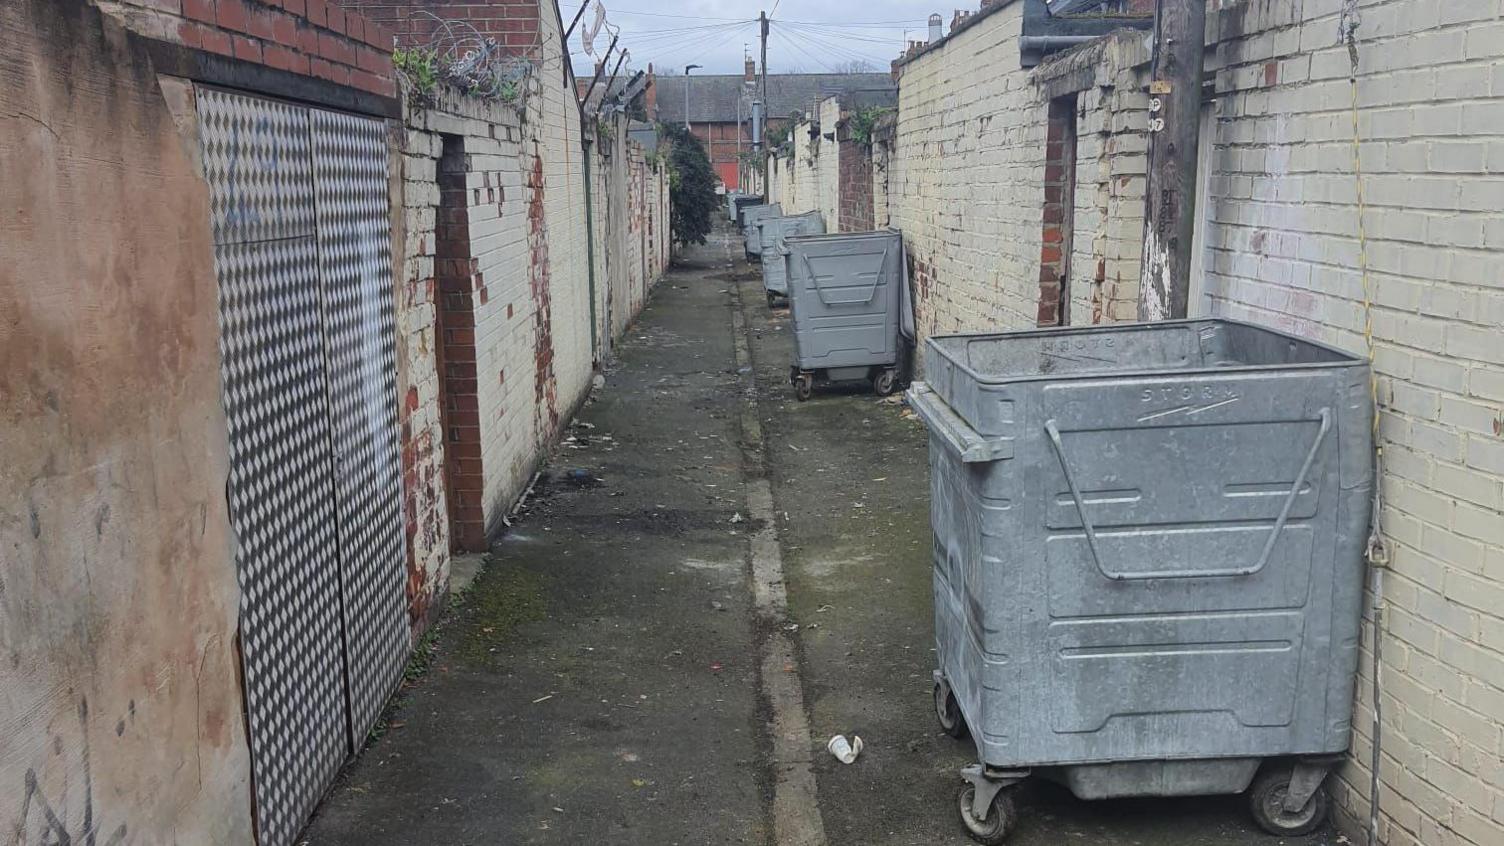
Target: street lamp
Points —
{"points": [[687, 69]]}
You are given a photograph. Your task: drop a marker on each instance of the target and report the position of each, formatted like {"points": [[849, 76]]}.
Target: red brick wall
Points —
{"points": [[512, 23], [315, 38], [1059, 205], [854, 184], [458, 277]]}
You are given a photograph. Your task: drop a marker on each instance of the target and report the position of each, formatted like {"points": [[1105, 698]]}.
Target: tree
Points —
{"points": [[692, 194]]}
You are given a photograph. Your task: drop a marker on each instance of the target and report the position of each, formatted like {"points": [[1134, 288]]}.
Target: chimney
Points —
{"points": [[650, 95], [935, 27], [751, 70]]}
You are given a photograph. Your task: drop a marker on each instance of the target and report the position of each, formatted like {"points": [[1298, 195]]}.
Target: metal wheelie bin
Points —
{"points": [[742, 203], [775, 278], [752, 217], [1148, 561], [846, 293]]}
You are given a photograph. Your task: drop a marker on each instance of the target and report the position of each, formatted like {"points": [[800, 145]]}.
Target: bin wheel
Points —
{"points": [[804, 387], [1266, 800], [1002, 816], [772, 300], [885, 381], [948, 712]]}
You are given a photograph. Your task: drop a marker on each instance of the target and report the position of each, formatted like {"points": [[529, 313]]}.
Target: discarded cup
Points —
{"points": [[844, 750]]}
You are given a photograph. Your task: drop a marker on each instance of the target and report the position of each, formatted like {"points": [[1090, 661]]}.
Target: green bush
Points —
{"points": [[692, 194]]}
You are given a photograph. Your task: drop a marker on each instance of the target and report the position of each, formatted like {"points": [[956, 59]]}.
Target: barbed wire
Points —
{"points": [[461, 55]]}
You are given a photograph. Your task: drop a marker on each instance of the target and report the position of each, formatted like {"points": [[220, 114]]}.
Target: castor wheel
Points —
{"points": [[1002, 816], [948, 712], [885, 381], [1266, 801], [804, 386], [772, 300]]}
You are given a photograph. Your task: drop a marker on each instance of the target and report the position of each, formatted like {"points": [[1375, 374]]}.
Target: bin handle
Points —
{"points": [[1279, 523], [819, 292]]}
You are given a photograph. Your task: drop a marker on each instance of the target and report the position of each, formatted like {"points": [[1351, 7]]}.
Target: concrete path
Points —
{"points": [[714, 582]]}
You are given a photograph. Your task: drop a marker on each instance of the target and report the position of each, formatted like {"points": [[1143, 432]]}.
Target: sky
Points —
{"points": [[805, 36]]}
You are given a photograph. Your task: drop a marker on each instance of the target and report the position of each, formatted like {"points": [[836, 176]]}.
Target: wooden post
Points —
{"points": [[1170, 193]]}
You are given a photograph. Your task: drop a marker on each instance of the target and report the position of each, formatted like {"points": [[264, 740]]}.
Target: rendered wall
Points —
{"points": [[120, 708]]}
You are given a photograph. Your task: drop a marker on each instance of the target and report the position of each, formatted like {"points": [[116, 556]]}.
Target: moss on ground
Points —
{"points": [[504, 598]]}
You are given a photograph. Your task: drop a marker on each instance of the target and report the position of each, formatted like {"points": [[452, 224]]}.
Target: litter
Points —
{"points": [[845, 750]]}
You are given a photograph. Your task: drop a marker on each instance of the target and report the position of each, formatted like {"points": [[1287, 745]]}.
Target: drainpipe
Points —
{"points": [[590, 253]]}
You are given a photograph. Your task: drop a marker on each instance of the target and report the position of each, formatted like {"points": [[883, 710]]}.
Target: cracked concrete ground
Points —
{"points": [[606, 680]]}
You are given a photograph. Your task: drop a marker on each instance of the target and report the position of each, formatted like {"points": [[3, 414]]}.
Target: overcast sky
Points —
{"points": [[808, 36]]}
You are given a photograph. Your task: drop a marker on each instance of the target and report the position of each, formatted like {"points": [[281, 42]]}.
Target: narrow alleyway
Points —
{"points": [[604, 679]]}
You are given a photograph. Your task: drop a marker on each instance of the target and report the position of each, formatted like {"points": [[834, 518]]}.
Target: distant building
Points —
{"points": [[720, 106]]}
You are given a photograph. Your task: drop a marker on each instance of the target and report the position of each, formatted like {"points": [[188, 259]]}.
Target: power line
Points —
{"points": [[821, 43]]}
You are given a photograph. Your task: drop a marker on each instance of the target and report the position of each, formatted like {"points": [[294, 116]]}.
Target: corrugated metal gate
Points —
{"points": [[303, 256]]}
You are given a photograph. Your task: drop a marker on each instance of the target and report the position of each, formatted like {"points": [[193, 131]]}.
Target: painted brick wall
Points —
{"points": [[318, 38], [828, 163], [418, 297], [964, 176], [966, 179], [1282, 250], [513, 266]]}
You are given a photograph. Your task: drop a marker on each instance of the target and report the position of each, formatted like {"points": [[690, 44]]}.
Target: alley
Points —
{"points": [[600, 682]]}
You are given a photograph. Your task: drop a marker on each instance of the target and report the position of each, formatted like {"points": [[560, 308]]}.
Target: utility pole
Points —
{"points": [[1170, 192], [762, 20]]}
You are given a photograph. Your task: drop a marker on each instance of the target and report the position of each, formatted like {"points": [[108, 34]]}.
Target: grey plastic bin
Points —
{"points": [[752, 217], [845, 293], [775, 280], [1148, 560]]}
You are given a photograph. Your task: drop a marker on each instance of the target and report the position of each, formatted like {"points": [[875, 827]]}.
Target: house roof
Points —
{"points": [[714, 98]]}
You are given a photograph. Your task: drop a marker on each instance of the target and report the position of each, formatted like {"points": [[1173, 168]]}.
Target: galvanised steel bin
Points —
{"points": [[775, 278], [845, 293], [1148, 561], [752, 217], [731, 197], [743, 202]]}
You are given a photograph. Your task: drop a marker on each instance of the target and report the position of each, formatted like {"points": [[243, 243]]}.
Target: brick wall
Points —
{"points": [[854, 208], [513, 24], [1057, 207], [827, 179], [419, 341], [317, 38], [1281, 249], [518, 348], [965, 177]]}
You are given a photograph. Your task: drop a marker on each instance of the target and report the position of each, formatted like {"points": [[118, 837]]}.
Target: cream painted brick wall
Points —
{"points": [[965, 181], [526, 185], [1282, 251], [425, 505], [962, 182], [828, 166]]}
